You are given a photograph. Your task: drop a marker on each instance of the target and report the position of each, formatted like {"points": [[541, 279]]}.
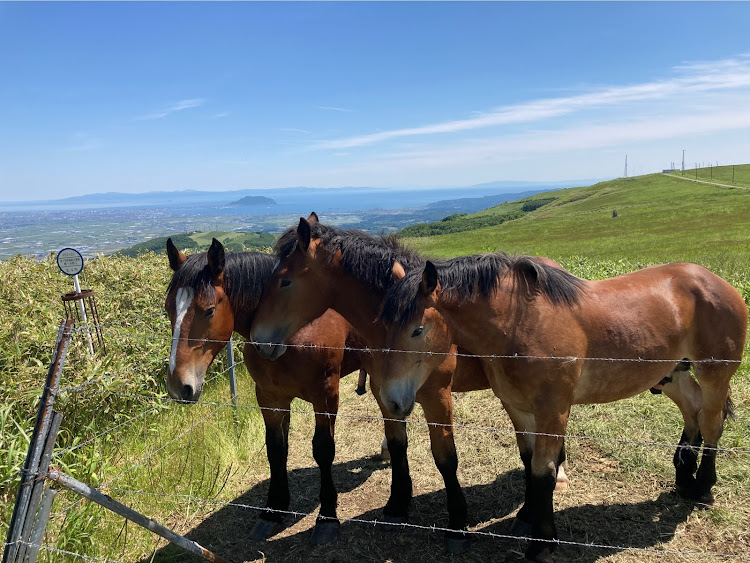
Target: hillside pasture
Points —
{"points": [[191, 467]]}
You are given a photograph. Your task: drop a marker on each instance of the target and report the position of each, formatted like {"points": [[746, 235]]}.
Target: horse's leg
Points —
{"points": [[324, 450], [686, 394], [438, 409], [524, 425], [397, 508], [277, 449], [714, 382], [545, 461]]}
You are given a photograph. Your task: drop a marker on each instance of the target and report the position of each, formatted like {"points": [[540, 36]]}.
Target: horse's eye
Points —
{"points": [[417, 332], [285, 283], [210, 312]]}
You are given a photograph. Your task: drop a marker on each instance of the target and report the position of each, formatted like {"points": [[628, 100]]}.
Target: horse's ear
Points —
{"points": [[216, 259], [429, 279], [176, 258], [397, 271], [304, 234], [313, 218]]}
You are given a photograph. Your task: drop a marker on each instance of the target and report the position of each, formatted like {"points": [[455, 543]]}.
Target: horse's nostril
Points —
{"points": [[395, 408], [187, 392]]}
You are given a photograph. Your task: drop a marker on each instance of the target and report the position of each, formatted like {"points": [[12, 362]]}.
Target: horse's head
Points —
{"points": [[417, 332], [201, 317], [298, 291]]}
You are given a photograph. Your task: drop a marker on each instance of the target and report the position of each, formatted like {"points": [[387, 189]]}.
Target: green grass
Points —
{"points": [[129, 294], [660, 219], [197, 241], [720, 174]]}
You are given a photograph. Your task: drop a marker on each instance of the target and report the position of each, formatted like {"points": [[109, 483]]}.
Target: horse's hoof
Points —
{"points": [[360, 390], [393, 523], [561, 485], [520, 529], [457, 543], [385, 455], [265, 529], [685, 492], [537, 553], [326, 531], [704, 500]]}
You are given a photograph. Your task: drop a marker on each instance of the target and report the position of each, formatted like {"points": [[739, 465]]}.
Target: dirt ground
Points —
{"points": [[635, 512]]}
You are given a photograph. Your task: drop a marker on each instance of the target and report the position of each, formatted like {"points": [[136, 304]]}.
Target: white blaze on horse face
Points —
{"points": [[183, 299]]}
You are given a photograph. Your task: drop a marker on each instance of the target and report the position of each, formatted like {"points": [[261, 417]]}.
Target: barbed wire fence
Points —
{"points": [[149, 404]]}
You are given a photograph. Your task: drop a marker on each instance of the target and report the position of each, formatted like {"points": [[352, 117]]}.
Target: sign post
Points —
{"points": [[70, 262]]}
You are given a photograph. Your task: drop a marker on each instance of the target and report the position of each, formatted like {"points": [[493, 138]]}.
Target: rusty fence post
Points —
{"points": [[42, 442]]}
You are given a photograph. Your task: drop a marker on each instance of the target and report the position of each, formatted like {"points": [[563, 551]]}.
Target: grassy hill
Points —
{"points": [[236, 242], [660, 218], [183, 464]]}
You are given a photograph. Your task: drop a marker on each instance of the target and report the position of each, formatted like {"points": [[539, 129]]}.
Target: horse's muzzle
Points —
{"points": [[270, 351], [399, 398]]}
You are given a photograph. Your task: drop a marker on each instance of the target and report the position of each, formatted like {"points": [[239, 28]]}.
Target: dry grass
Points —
{"points": [[613, 500]]}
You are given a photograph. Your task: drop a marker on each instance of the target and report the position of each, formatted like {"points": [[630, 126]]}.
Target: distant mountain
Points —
{"points": [[252, 201]]}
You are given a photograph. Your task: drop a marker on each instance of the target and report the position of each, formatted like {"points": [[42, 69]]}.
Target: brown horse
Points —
{"points": [[569, 334], [321, 267], [210, 296]]}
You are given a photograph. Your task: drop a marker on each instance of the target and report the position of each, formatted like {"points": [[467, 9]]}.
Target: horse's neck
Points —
{"points": [[471, 323], [242, 323], [360, 305], [243, 316]]}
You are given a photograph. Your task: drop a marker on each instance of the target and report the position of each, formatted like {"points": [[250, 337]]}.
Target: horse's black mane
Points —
{"points": [[245, 277], [464, 277], [367, 258]]}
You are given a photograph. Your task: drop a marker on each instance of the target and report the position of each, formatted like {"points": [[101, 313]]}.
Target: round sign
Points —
{"points": [[70, 261]]}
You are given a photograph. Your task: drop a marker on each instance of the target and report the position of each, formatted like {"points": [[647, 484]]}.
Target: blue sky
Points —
{"points": [[137, 97]]}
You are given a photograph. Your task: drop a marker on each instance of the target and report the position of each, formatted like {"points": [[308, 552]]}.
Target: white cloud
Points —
{"points": [[177, 106], [598, 149], [691, 79], [331, 108]]}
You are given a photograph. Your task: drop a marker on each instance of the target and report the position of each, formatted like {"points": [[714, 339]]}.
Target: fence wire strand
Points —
{"points": [[368, 350], [415, 421], [436, 528], [90, 386]]}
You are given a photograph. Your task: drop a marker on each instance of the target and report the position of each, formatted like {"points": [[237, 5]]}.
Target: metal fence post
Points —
{"points": [[232, 379], [30, 471], [127, 512]]}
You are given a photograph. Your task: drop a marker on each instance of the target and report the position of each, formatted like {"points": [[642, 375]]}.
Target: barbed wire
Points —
{"points": [[110, 376], [433, 527], [143, 461], [64, 552], [414, 421], [219, 405], [369, 350]]}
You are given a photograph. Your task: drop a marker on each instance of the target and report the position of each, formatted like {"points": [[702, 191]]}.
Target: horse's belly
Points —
{"points": [[614, 381]]}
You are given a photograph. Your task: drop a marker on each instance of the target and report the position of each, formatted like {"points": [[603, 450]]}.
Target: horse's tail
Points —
{"points": [[729, 408]]}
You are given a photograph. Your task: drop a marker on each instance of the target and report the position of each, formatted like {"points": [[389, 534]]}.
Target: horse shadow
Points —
{"points": [[645, 525]]}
